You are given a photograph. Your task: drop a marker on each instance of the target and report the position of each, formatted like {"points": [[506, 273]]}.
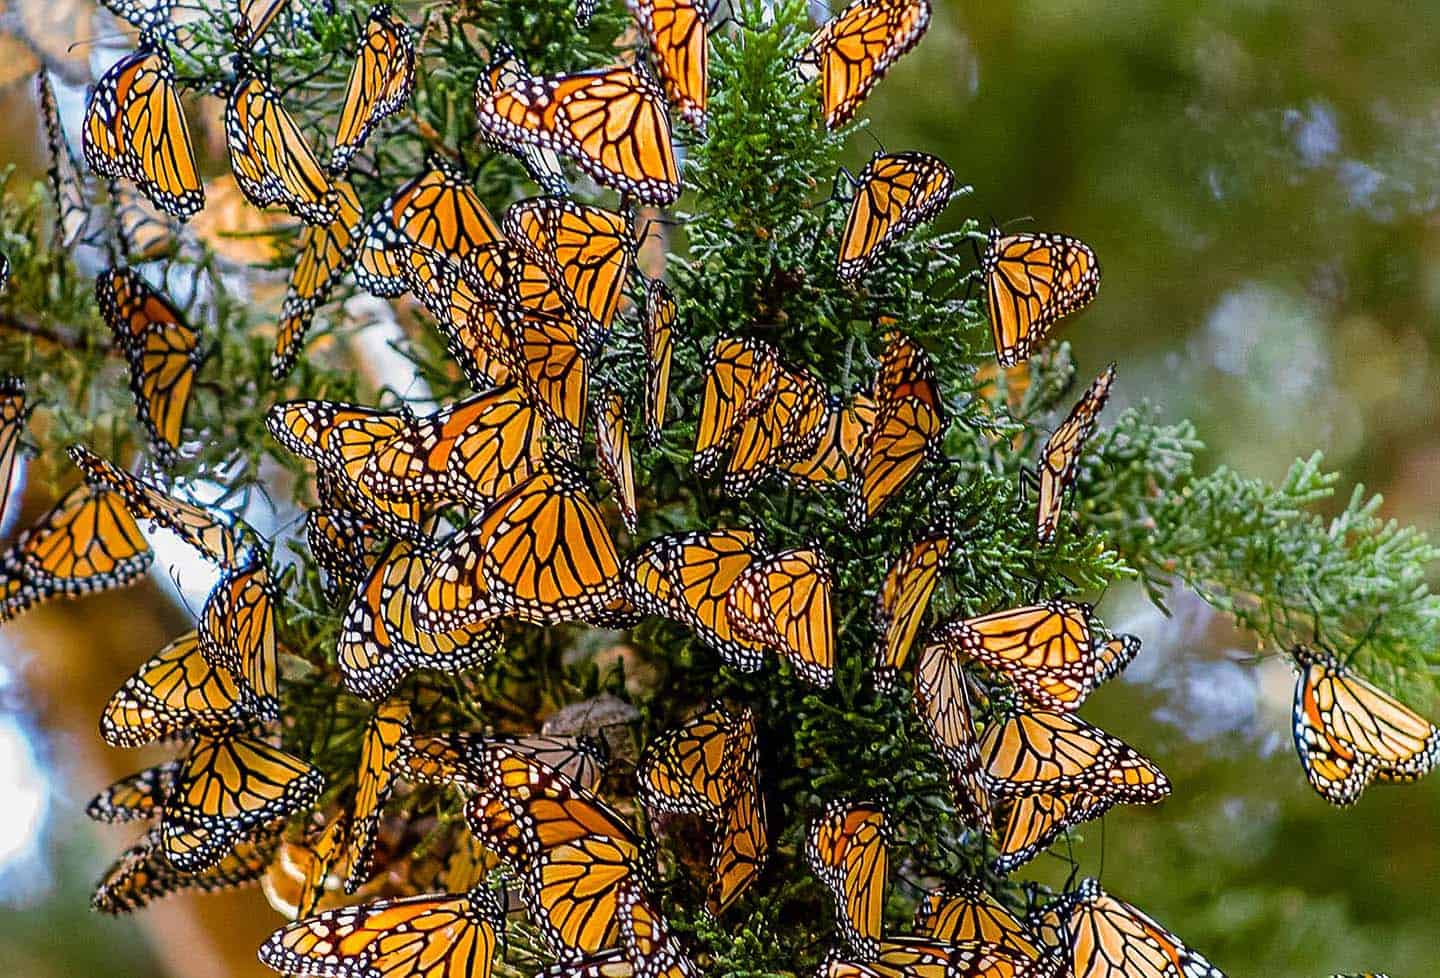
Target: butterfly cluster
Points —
{"points": [[441, 532]]}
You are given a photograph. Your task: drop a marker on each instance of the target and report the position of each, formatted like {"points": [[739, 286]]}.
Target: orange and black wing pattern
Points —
{"points": [[237, 633], [942, 701], [740, 379], [380, 641], [380, 82], [659, 333], [1027, 753], [612, 452], [271, 158], [586, 251], [901, 602], [433, 935], [13, 414], [611, 121], [143, 874], [909, 419], [540, 553], [848, 850], [783, 603], [893, 194], [854, 49], [325, 252], [1060, 460], [161, 348], [1349, 733], [173, 694], [1105, 937], [88, 542], [135, 130], [379, 754], [676, 31], [1046, 650], [229, 788], [208, 530], [1032, 281], [686, 577], [437, 211]]}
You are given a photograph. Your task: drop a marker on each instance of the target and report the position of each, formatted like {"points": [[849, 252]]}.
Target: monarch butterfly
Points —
{"points": [[586, 250], [942, 701], [1060, 461], [742, 848], [142, 231], [325, 251], [740, 379], [380, 84], [457, 758], [696, 766], [13, 414], [237, 633], [431, 934], [1349, 733], [208, 532], [470, 452], [437, 211], [1031, 282], [135, 129], [379, 752], [139, 796], [474, 306], [257, 15], [162, 350], [848, 850], [228, 787], [854, 49], [1031, 823], [320, 859], [843, 431], [345, 546], [963, 913], [676, 31], [895, 193], [508, 70], [555, 373], [686, 577], [612, 452], [342, 440], [901, 601], [708, 766], [581, 865], [786, 428], [658, 326], [1105, 937], [143, 874], [783, 603], [541, 553], [909, 419], [380, 643], [272, 160], [1045, 650], [88, 542], [611, 121], [926, 957], [175, 693], [72, 211], [1030, 752]]}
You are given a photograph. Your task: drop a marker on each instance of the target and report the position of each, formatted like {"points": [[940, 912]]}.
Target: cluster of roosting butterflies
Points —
{"points": [[525, 305]]}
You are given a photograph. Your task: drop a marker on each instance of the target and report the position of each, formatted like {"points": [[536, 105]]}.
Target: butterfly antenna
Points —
{"points": [[881, 146], [1363, 640]]}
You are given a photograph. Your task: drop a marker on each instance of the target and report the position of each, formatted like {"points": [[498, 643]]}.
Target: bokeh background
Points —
{"points": [[1262, 182]]}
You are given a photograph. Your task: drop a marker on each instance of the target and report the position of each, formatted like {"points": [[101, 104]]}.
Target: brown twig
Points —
{"points": [[52, 335]]}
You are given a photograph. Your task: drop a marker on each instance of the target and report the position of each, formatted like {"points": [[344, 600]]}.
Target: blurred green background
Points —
{"points": [[1261, 181]]}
